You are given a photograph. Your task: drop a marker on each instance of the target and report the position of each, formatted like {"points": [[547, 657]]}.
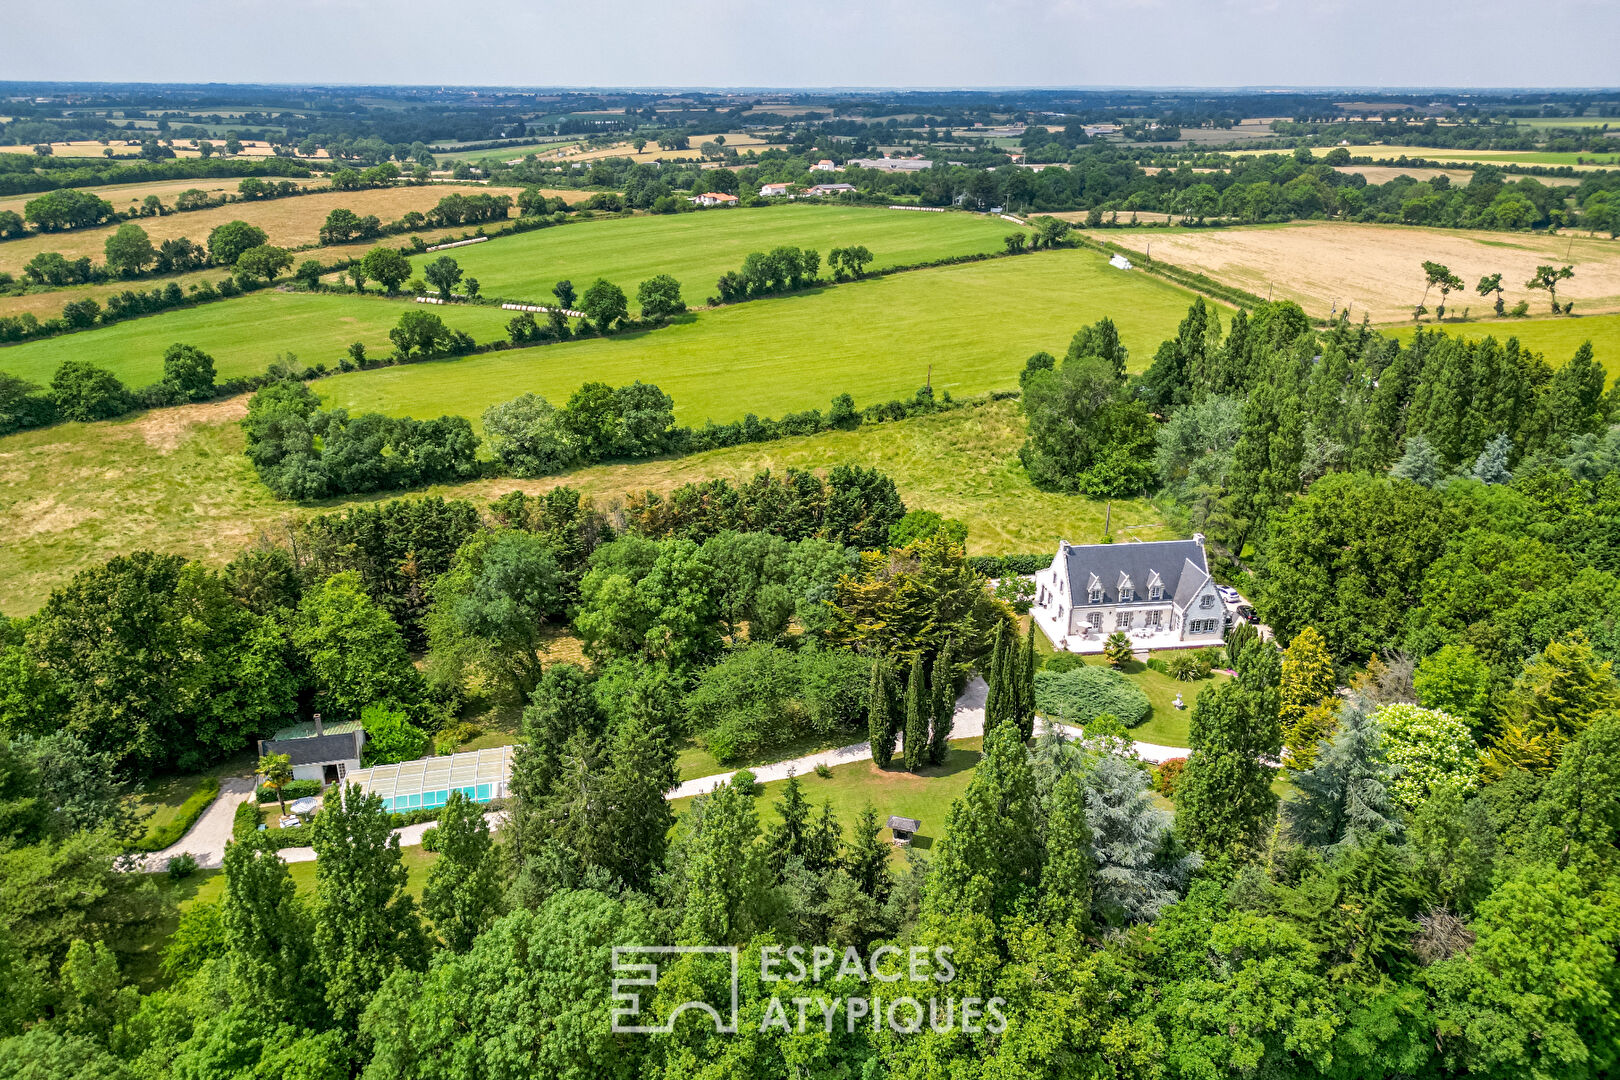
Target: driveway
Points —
{"points": [[207, 838]]}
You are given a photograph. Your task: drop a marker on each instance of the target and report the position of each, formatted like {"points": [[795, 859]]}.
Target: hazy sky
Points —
{"points": [[855, 43]]}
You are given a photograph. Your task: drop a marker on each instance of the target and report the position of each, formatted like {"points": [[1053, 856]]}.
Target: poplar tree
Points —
{"points": [[917, 715], [1070, 865], [880, 714], [463, 890], [268, 946], [365, 923], [944, 703]]}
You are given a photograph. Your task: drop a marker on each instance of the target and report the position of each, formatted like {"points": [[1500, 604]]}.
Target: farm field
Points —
{"points": [[1555, 338], [697, 248], [123, 196], [971, 326], [290, 222], [175, 480], [48, 303], [1377, 269], [1382, 152], [1383, 174], [243, 335]]}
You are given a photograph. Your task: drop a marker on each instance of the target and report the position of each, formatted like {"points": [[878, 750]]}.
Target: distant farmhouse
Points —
{"points": [[715, 198], [1160, 594], [824, 165], [829, 189], [889, 164], [770, 191]]}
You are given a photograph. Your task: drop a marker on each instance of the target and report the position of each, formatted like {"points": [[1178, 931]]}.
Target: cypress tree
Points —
{"points": [[880, 715], [995, 705], [1070, 863], [1026, 685], [944, 687], [917, 710]]}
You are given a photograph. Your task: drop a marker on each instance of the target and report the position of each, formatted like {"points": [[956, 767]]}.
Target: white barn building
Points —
{"points": [[1159, 594]]}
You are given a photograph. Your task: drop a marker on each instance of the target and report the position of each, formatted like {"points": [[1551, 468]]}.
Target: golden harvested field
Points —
{"points": [[1378, 268], [1383, 174], [1381, 152], [290, 222], [48, 303], [652, 151], [123, 196]]}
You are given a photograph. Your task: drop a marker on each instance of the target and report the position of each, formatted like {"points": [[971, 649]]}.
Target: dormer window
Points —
{"points": [[1094, 590], [1155, 586], [1206, 602], [1127, 590]]}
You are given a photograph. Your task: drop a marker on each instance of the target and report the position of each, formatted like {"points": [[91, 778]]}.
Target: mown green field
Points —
{"points": [[175, 480], [971, 325], [1555, 338], [243, 335], [697, 248]]}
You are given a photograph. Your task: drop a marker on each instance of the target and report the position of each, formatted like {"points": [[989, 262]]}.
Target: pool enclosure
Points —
{"points": [[426, 783]]}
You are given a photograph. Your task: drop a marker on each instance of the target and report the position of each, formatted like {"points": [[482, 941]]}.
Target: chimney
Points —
{"points": [[321, 731], [1198, 538]]}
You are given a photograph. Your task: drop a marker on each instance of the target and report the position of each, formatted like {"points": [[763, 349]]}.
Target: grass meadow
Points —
{"points": [[971, 326], [243, 335], [697, 248], [175, 480]]}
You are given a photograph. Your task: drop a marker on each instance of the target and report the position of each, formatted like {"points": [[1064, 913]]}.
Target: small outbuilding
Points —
{"points": [[324, 752], [904, 828]]}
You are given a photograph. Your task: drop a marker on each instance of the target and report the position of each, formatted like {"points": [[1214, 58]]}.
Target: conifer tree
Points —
{"points": [[1307, 683], [867, 859], [823, 842], [1344, 796], [1026, 684], [1578, 818], [791, 835], [880, 725], [1419, 463], [1141, 868], [268, 937], [917, 710], [1557, 696], [366, 925], [944, 705], [463, 890], [640, 769], [992, 831], [1491, 467], [1070, 865], [995, 675], [729, 896]]}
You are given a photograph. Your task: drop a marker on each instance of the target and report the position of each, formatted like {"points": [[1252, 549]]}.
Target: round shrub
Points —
{"points": [[1063, 662], [1429, 749], [430, 839], [182, 866], [745, 782], [1086, 692], [1167, 775]]}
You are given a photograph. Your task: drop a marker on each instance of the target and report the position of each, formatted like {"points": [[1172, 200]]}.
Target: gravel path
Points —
{"points": [[206, 839]]}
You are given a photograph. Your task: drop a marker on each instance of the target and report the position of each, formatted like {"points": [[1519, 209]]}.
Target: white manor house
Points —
{"points": [[1158, 593]]}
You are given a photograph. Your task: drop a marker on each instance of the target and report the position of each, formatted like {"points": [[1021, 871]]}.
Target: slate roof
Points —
{"points": [[315, 749], [1180, 564], [904, 824]]}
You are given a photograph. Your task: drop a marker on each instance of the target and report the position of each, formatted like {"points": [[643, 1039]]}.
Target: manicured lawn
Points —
{"points": [[175, 480], [1555, 338], [243, 335], [968, 328], [926, 795], [697, 248]]}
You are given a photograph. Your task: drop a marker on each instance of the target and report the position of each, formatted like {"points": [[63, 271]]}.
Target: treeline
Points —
{"points": [[21, 173]]}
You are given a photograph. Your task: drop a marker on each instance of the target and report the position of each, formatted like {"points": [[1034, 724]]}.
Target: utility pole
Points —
{"points": [[1108, 516]]}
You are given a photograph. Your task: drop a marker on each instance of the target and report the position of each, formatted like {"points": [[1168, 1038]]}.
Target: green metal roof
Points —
{"points": [[306, 729]]}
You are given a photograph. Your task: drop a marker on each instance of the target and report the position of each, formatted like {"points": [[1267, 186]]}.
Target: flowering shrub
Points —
{"points": [[1429, 749]]}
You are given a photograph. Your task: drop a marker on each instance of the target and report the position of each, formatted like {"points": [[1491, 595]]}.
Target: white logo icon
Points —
{"points": [[629, 975]]}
